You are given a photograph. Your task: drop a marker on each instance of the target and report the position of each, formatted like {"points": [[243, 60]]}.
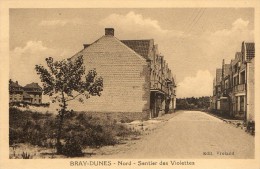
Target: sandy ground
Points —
{"points": [[192, 134], [145, 128], [184, 134]]}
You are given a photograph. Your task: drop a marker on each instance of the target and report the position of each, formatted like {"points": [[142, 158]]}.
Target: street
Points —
{"points": [[192, 134]]}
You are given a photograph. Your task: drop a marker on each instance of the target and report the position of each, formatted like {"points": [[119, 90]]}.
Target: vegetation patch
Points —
{"points": [[80, 131]]}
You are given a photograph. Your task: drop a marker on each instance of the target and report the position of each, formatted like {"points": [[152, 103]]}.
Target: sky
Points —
{"points": [[193, 41]]}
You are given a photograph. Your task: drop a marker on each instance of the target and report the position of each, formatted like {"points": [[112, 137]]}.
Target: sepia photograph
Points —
{"points": [[130, 86], [132, 83]]}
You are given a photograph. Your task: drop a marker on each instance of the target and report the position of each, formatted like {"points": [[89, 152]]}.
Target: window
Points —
{"points": [[236, 67], [236, 80], [242, 77], [242, 103], [226, 84]]}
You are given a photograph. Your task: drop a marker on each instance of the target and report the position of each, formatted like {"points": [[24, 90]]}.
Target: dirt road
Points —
{"points": [[192, 134]]}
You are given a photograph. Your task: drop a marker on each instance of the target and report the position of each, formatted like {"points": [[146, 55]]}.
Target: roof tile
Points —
{"points": [[139, 46]]}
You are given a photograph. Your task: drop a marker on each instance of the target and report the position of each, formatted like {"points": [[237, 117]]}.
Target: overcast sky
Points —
{"points": [[193, 40]]}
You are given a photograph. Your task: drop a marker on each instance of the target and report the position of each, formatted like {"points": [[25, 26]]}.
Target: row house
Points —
{"points": [[163, 96], [137, 81], [215, 99], [30, 93], [236, 93], [224, 88]]}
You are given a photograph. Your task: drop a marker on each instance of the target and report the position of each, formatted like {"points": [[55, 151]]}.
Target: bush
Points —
{"points": [[30, 127], [26, 104], [251, 127], [90, 131], [72, 148], [39, 129], [26, 155]]}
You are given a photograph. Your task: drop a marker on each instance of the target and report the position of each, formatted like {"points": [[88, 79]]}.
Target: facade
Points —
{"points": [[215, 101], [15, 92], [137, 82], [224, 88], [31, 93], [35, 92], [236, 93]]}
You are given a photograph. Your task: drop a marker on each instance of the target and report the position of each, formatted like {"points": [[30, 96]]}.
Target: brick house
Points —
{"points": [[30, 93], [237, 85], [137, 81]]}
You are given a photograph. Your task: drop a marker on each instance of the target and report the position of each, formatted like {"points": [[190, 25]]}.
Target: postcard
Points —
{"points": [[129, 84]]}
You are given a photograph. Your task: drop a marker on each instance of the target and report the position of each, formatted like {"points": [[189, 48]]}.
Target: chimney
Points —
{"points": [[16, 82], [109, 31]]}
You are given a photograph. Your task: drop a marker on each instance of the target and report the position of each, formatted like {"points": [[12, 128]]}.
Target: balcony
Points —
{"points": [[227, 91], [157, 86], [239, 88]]}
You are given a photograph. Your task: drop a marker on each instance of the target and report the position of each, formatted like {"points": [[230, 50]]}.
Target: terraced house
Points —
{"points": [[215, 100], [138, 83], [237, 87]]}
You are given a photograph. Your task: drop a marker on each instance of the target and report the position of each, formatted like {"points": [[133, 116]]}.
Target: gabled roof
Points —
{"points": [[250, 46], [250, 50], [226, 69], [113, 46], [238, 57], [32, 86], [15, 84], [141, 47], [218, 75]]}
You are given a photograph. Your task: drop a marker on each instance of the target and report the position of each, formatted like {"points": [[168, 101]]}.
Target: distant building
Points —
{"points": [[138, 83], [215, 100], [236, 94], [30, 93], [224, 88], [15, 92], [35, 92]]}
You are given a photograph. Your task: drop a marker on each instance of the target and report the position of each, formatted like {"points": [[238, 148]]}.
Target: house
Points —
{"points": [[215, 100], [162, 99], [35, 92], [243, 82], [15, 92], [237, 90], [137, 82], [30, 93], [224, 88]]}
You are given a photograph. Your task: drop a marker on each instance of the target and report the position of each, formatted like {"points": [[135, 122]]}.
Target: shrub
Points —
{"points": [[39, 129], [251, 127], [26, 104], [30, 127], [72, 148], [26, 155], [16, 136], [90, 131]]}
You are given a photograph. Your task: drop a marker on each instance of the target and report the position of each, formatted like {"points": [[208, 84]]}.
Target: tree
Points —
{"points": [[64, 81]]}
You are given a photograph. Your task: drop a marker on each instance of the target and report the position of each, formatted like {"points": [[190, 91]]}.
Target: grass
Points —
{"points": [[80, 130]]}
